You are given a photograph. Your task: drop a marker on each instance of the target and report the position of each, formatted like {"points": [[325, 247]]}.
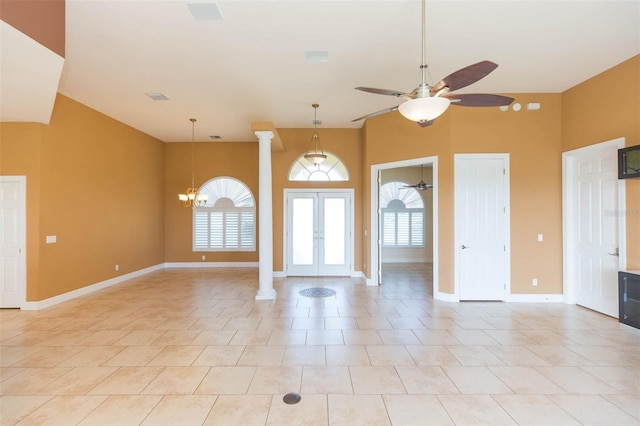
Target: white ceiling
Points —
{"points": [[251, 66]]}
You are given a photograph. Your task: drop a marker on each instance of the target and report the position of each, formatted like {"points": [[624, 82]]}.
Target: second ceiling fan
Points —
{"points": [[425, 103], [420, 186]]}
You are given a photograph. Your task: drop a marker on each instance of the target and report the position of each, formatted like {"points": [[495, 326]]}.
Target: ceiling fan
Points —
{"points": [[420, 186], [425, 103]]}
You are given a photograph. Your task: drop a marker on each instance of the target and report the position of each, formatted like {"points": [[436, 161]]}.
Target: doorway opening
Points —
{"points": [[396, 246]]}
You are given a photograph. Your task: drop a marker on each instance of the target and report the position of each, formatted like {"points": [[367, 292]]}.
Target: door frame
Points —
{"points": [[456, 234], [569, 228], [286, 192], [22, 235], [374, 232]]}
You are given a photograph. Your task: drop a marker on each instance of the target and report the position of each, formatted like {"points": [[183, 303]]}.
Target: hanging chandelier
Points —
{"points": [[316, 155], [191, 198]]}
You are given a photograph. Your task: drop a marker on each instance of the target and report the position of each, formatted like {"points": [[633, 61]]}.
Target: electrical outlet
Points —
{"points": [[204, 257], [535, 282], [540, 237], [117, 267]]}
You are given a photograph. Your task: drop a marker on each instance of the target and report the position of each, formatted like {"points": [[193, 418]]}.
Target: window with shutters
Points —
{"points": [[227, 222], [402, 212]]}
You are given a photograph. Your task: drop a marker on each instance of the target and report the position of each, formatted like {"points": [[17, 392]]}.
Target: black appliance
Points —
{"points": [[629, 297]]}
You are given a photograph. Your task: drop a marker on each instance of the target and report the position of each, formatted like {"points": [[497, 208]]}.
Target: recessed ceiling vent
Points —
{"points": [[205, 11], [157, 96], [317, 56]]}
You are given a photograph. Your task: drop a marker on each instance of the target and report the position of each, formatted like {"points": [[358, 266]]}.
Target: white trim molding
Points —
{"points": [[535, 298], [83, 291], [211, 264], [446, 297]]}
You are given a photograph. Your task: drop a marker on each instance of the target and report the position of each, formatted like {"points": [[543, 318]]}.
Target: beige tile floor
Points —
{"points": [[193, 346]]}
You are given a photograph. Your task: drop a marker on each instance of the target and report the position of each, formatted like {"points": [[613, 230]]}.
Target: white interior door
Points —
{"points": [[482, 226], [12, 241], [318, 233], [596, 238]]}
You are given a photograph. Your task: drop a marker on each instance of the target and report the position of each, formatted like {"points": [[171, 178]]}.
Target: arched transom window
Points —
{"points": [[402, 216], [331, 169], [227, 221]]}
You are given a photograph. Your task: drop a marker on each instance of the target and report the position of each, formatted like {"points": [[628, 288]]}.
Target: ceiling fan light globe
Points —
{"points": [[424, 109]]}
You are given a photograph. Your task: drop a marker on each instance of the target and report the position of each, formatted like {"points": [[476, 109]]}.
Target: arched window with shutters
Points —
{"points": [[227, 222], [402, 216]]}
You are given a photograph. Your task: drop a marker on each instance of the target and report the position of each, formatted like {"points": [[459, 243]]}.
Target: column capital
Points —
{"points": [[264, 134]]}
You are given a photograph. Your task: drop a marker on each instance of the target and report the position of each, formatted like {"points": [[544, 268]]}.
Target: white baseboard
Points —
{"points": [[446, 297], [535, 298], [512, 298], [281, 274], [407, 260], [64, 297], [211, 264]]}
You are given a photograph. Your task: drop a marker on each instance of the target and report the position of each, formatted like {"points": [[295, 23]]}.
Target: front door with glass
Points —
{"points": [[318, 233]]}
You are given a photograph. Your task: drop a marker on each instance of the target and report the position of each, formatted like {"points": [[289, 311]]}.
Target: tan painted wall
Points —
{"points": [[212, 159], [20, 156], [347, 145], [109, 192], [603, 108], [98, 186], [390, 137], [240, 160], [532, 138]]}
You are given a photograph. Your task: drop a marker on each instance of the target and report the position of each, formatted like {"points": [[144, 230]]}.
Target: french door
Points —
{"points": [[319, 232], [482, 226]]}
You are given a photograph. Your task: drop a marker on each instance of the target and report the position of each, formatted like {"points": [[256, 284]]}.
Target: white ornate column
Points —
{"points": [[265, 219]]}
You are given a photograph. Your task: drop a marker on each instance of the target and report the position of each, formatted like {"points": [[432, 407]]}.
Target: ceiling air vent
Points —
{"points": [[157, 96], [205, 11], [317, 56]]}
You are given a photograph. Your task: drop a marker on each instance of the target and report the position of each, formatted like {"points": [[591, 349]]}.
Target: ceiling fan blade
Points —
{"points": [[479, 100], [384, 92], [373, 114], [426, 123], [465, 76]]}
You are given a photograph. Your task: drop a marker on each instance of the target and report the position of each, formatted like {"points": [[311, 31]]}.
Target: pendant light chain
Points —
{"points": [[423, 65], [193, 151], [191, 197]]}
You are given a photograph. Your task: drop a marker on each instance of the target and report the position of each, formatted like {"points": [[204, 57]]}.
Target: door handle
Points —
{"points": [[464, 247], [617, 252]]}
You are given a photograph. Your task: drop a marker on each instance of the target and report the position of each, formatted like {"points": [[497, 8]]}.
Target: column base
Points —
{"points": [[267, 295]]}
